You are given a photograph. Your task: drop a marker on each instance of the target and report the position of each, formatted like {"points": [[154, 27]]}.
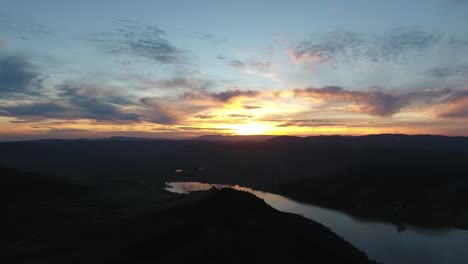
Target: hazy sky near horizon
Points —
{"points": [[185, 68]]}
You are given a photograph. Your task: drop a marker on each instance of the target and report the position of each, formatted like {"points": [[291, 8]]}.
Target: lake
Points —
{"points": [[381, 241]]}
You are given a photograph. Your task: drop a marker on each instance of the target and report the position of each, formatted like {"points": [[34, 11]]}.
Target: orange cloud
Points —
{"points": [[306, 57], [457, 109]]}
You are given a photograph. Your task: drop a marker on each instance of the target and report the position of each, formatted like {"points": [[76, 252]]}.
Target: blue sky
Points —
{"points": [[186, 68]]}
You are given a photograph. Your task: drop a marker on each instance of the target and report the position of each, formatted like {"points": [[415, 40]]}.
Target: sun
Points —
{"points": [[251, 129]]}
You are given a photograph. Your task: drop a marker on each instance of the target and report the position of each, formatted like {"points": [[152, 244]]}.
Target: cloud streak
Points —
{"points": [[377, 103], [148, 42], [372, 103], [224, 96], [396, 45]]}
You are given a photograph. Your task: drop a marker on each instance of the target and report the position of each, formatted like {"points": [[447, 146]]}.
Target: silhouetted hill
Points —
{"points": [[26, 200], [115, 138], [129, 139], [234, 227], [85, 158], [220, 226], [424, 142]]}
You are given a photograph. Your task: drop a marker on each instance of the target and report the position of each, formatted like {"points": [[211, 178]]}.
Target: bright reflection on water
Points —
{"points": [[379, 240]]}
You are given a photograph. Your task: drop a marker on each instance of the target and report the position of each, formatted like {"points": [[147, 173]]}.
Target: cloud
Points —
{"points": [[240, 116], [327, 46], [230, 94], [205, 116], [372, 103], [35, 109], [310, 123], [18, 76], [456, 105], [81, 108], [185, 83], [404, 39], [256, 64], [376, 103], [262, 65], [211, 38], [93, 108], [395, 45], [149, 42], [449, 71], [76, 92], [159, 112], [456, 110], [255, 68], [74, 102], [220, 96], [236, 64], [251, 107]]}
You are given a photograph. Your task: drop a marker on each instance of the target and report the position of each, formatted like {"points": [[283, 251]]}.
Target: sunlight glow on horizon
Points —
{"points": [[145, 73], [252, 129]]}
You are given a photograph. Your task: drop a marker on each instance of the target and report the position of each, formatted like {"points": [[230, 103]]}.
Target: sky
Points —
{"points": [[177, 69]]}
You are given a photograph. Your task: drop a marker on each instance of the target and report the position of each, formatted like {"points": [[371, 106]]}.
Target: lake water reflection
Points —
{"points": [[381, 241]]}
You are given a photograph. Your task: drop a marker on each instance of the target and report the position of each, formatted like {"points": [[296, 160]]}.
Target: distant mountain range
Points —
{"points": [[425, 142]]}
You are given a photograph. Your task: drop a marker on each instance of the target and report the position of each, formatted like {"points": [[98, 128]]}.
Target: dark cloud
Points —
{"points": [[205, 116], [90, 102], [458, 95], [18, 75], [74, 102], [35, 109], [330, 45], [257, 64], [395, 45], [251, 107], [93, 108], [458, 110], [449, 71], [101, 104], [186, 83], [76, 92], [221, 96], [456, 105], [373, 103], [77, 108], [309, 123], [236, 64], [377, 103], [407, 39], [240, 116], [458, 40], [144, 41], [230, 94], [159, 112]]}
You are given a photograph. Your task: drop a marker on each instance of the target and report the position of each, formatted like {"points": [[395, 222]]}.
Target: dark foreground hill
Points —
{"points": [[235, 227], [218, 226]]}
